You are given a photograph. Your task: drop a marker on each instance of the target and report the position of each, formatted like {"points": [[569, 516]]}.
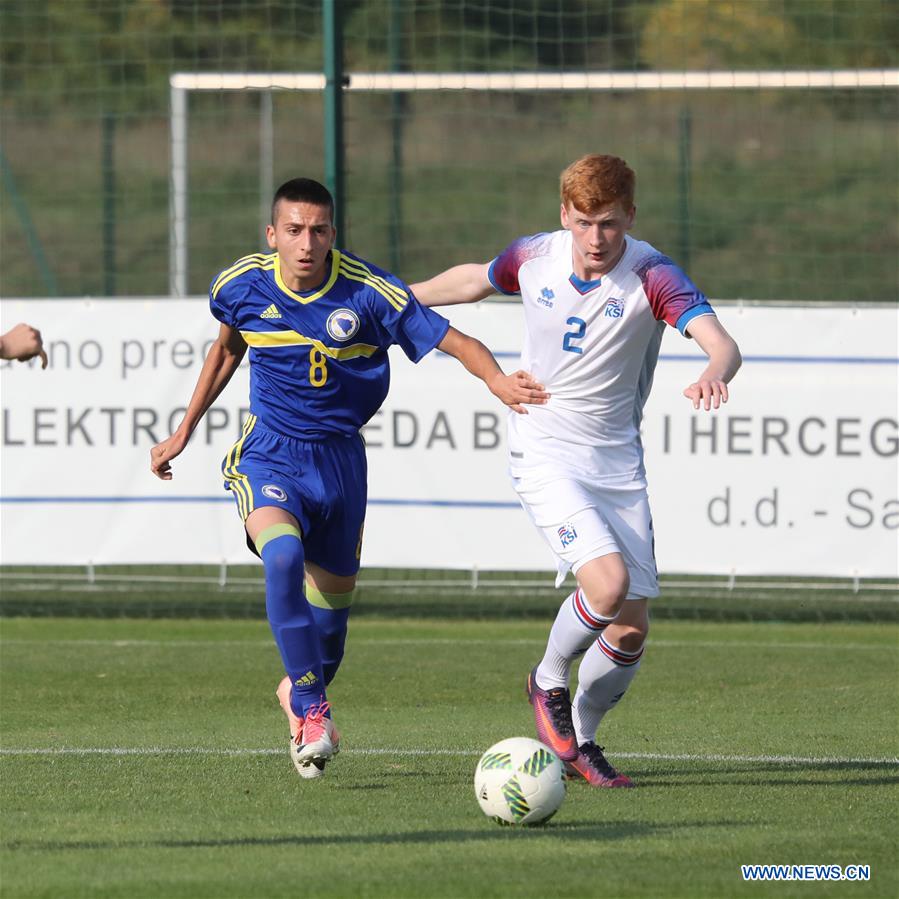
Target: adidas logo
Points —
{"points": [[308, 679], [271, 312]]}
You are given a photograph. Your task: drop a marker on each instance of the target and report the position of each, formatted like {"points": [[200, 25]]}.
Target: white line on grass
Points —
{"points": [[654, 756], [473, 641]]}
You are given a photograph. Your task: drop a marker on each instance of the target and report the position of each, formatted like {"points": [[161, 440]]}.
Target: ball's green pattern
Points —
{"points": [[515, 798], [538, 762], [496, 760]]}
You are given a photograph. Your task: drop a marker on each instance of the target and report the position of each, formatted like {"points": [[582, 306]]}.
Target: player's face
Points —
{"points": [[597, 238], [303, 235]]}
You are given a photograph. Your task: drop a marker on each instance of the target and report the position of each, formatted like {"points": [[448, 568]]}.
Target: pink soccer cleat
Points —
{"points": [[314, 767], [552, 715], [320, 740], [592, 766]]}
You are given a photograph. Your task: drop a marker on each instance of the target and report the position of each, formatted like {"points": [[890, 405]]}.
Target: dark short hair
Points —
{"points": [[303, 190]]}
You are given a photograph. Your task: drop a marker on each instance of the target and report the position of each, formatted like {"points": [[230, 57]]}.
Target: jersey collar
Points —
{"points": [[319, 291], [584, 287], [581, 286]]}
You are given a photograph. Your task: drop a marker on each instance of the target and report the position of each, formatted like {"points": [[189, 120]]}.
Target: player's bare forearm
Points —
{"points": [[514, 390], [23, 343], [709, 390], [466, 283], [222, 360]]}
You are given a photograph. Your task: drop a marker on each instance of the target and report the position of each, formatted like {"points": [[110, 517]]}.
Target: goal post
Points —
{"points": [[182, 84]]}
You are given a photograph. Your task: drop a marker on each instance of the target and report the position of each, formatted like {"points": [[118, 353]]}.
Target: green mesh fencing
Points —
{"points": [[785, 194]]}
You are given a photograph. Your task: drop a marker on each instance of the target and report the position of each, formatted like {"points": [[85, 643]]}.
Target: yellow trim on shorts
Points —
{"points": [[237, 482]]}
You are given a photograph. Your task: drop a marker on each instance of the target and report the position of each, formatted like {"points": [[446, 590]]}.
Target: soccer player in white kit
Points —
{"points": [[595, 303]]}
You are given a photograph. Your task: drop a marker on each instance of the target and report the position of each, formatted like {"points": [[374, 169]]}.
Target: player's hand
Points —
{"points": [[518, 388], [709, 394], [162, 454], [23, 343]]}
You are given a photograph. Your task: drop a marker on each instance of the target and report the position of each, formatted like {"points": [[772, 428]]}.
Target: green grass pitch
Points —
{"points": [[148, 758]]}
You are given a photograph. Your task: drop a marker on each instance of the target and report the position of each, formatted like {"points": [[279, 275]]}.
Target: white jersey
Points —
{"points": [[594, 345]]}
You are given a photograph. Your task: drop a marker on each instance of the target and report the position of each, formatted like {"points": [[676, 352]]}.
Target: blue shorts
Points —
{"points": [[322, 483]]}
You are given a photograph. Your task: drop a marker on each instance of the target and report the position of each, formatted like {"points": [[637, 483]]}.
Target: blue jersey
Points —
{"points": [[318, 360]]}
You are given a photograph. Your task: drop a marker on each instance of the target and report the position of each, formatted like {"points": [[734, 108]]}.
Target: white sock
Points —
{"points": [[575, 628], [605, 674]]}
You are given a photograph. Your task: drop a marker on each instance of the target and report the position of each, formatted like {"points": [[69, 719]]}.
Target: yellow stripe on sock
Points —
{"points": [[315, 597], [273, 531]]}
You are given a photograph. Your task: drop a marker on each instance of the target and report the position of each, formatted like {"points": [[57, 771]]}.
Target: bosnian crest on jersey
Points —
{"points": [[273, 491], [342, 324], [614, 308]]}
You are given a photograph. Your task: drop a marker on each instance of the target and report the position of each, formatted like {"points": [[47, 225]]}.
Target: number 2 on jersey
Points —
{"points": [[579, 330], [318, 368]]}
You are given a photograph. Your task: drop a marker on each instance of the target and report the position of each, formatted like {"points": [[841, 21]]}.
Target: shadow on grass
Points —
{"points": [[584, 830], [771, 775]]}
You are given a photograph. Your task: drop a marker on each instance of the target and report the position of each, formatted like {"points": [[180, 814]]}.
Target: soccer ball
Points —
{"points": [[519, 781]]}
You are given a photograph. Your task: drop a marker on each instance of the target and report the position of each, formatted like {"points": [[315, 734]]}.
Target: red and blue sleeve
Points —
{"points": [[503, 271], [672, 295]]}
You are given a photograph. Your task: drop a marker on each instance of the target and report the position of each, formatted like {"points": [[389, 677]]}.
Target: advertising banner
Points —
{"points": [[796, 475]]}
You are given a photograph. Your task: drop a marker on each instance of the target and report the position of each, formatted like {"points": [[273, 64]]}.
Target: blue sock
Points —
{"points": [[290, 616], [331, 612]]}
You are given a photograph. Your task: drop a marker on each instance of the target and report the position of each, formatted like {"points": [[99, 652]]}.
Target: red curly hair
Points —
{"points": [[595, 180]]}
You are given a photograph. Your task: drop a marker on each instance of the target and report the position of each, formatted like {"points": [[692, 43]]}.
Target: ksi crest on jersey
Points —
{"points": [[614, 308]]}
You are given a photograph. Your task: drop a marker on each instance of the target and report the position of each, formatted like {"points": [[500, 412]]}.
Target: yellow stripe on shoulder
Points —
{"points": [[234, 265], [266, 267], [352, 276], [266, 263], [362, 268], [382, 287]]}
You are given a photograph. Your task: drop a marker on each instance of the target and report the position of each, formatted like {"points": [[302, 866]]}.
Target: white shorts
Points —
{"points": [[583, 521]]}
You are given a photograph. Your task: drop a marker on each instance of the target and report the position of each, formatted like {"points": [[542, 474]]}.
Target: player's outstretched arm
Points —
{"points": [[514, 390], [709, 390], [460, 284], [23, 343], [221, 362]]}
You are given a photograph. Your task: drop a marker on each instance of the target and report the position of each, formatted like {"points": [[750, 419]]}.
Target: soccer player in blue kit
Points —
{"points": [[318, 322]]}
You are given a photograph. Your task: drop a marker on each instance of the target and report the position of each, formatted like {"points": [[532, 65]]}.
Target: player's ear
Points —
{"points": [[270, 237], [563, 215]]}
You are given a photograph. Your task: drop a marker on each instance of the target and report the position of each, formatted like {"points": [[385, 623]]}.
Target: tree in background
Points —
{"points": [[782, 34], [717, 34]]}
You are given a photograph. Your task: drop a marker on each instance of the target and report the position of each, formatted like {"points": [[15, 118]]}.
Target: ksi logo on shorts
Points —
{"points": [[567, 534]]}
